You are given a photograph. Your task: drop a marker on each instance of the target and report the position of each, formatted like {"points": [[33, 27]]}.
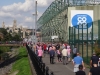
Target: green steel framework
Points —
{"points": [[54, 19], [54, 22]]}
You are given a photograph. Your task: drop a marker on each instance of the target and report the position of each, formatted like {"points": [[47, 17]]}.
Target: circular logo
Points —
{"points": [[82, 20]]}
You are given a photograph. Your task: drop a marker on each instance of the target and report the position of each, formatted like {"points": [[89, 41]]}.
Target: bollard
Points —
{"points": [[43, 69], [40, 65], [37, 60], [51, 73], [47, 70]]}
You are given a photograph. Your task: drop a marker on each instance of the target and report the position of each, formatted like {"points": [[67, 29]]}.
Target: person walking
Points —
{"points": [[95, 70], [34, 47], [44, 49], [59, 56], [58, 46], [78, 60], [64, 56], [94, 60], [40, 53], [69, 53], [49, 47], [80, 72], [52, 54], [75, 50]]}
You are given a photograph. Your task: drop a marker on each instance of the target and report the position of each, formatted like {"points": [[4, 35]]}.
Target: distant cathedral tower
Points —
{"points": [[21, 27], [3, 25], [14, 25]]}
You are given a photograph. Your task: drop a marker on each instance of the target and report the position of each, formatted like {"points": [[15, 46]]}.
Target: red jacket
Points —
{"points": [[44, 46]]}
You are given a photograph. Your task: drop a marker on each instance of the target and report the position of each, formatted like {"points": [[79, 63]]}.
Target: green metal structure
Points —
{"points": [[54, 20]]}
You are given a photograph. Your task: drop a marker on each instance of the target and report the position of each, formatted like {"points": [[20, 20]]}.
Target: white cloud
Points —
{"points": [[18, 15], [39, 14], [12, 7], [25, 27], [26, 6], [9, 14], [44, 3], [22, 12], [5, 14], [28, 19]]}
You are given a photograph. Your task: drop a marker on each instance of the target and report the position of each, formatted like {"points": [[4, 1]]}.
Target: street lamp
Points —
{"points": [[35, 26]]}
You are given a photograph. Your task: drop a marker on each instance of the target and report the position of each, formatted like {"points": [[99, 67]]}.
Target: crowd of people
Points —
{"points": [[63, 52]]}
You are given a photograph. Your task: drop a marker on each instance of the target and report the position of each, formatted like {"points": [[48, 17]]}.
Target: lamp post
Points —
{"points": [[35, 26]]}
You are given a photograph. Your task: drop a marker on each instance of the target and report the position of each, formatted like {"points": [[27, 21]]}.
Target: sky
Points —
{"points": [[21, 11]]}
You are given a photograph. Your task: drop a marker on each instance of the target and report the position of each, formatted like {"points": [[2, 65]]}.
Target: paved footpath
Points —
{"points": [[59, 69]]}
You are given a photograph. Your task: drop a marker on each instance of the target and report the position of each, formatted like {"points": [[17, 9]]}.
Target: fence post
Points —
{"points": [[92, 37], [47, 70], [82, 39], [43, 67], [69, 34], [98, 34], [51, 73], [40, 65], [38, 60], [74, 37], [78, 37], [87, 44]]}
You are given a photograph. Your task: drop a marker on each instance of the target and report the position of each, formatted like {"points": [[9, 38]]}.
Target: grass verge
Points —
{"points": [[87, 61], [22, 63]]}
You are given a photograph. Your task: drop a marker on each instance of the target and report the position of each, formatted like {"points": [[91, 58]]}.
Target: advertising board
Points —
{"points": [[81, 17]]}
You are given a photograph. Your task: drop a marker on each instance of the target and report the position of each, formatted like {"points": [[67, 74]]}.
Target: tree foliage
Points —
{"points": [[4, 49], [97, 48], [4, 31], [10, 37]]}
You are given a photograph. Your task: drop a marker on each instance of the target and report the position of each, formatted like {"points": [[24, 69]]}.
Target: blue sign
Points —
{"points": [[82, 19]]}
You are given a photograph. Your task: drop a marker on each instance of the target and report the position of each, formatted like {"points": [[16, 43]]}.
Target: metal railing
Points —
{"points": [[40, 67], [84, 38]]}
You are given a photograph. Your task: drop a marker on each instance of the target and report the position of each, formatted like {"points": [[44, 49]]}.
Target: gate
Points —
{"points": [[85, 38]]}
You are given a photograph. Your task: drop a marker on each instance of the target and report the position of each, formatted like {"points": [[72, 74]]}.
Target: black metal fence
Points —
{"points": [[40, 67]]}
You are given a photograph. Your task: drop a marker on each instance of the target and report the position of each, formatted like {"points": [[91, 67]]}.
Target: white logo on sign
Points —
{"points": [[82, 21]]}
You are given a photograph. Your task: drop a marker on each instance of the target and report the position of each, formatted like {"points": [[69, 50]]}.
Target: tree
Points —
{"points": [[10, 36], [26, 33], [30, 33], [4, 31], [97, 48], [16, 38]]}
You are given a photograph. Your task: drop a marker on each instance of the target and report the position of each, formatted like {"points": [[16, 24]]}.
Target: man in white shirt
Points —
{"points": [[64, 55]]}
